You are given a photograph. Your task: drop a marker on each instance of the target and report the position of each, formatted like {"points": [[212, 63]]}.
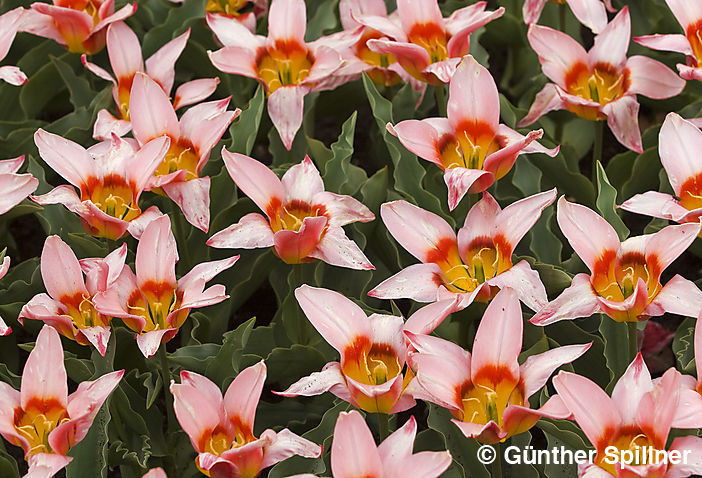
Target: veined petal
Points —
{"points": [[685, 12], [578, 300], [106, 125], [302, 181], [330, 379], [427, 318], [612, 43], [287, 20], [443, 71], [480, 222], [689, 446], [193, 198], [251, 232], [630, 390], [44, 376], [590, 235], [285, 444], [354, 452], [473, 97], [419, 137], [515, 220], [623, 121], [339, 320], [255, 180], [150, 111], [548, 99], [652, 78], [161, 65], [285, 108], [397, 448], [420, 282], [46, 465], [65, 157], [670, 242], [338, 250], [230, 32], [15, 188], [294, 247], [60, 270], [679, 140], [555, 62], [156, 254], [655, 204], [124, 51], [235, 60], [149, 342], [590, 13], [10, 166], [537, 369], [531, 11], [197, 407], [463, 180], [678, 296], [343, 209], [194, 91], [501, 161], [243, 394], [675, 42], [525, 281]]}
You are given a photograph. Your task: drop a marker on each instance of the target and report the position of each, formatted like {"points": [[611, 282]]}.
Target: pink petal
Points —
{"points": [[589, 234], [690, 447], [537, 369], [658, 408], [160, 66], [592, 409], [124, 51], [155, 473], [121, 14], [193, 198], [302, 181], [61, 271], [46, 465], [198, 406], [231, 32], [330, 379], [150, 111], [339, 320], [487, 433], [243, 394], [285, 444], [675, 42], [652, 78], [653, 203], [251, 232], [10, 22], [96, 70], [590, 13], [623, 121], [419, 137], [287, 20], [612, 43], [10, 166], [65, 157], [443, 71], [354, 452], [679, 140], [44, 376], [285, 108], [106, 125], [327, 61], [670, 242], [149, 342], [412, 57], [12, 75], [630, 308], [531, 11], [462, 180], [525, 281], [156, 254], [255, 180], [685, 12], [398, 446], [147, 160], [630, 390], [548, 99], [679, 296], [193, 299], [480, 222], [501, 161], [194, 91], [204, 272], [517, 218], [349, 10], [295, 246], [343, 209], [235, 60], [338, 250], [419, 12], [42, 25], [578, 300], [473, 97], [204, 125], [555, 62], [429, 317], [136, 226], [418, 282], [15, 188], [97, 336], [74, 26]]}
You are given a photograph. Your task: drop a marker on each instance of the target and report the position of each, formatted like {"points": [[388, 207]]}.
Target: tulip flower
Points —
{"points": [[372, 349], [471, 146], [10, 23], [221, 429], [590, 13], [488, 392], [4, 267], [625, 276], [679, 142], [155, 473], [42, 417], [79, 25], [688, 414], [126, 59], [602, 83], [427, 45], [192, 139], [68, 307], [688, 13], [152, 302], [354, 452], [637, 417], [284, 63], [473, 264], [233, 9], [110, 176], [15, 187], [303, 221]]}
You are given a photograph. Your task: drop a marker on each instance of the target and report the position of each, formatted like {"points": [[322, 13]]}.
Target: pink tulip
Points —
{"points": [[488, 392], [625, 276], [232, 9], [79, 25], [110, 176], [427, 45], [689, 412], [679, 142], [602, 83], [472, 265], [590, 13], [221, 429], [640, 413], [471, 146], [68, 307], [689, 16], [284, 63], [4, 267], [155, 473], [15, 187], [126, 59], [42, 417], [354, 453], [10, 23], [373, 351], [191, 140], [153, 303], [303, 221]]}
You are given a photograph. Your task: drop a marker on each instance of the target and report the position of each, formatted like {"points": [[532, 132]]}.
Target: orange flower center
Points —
{"points": [[112, 195], [154, 302], [291, 216], [232, 8], [476, 140], [38, 421], [603, 84], [635, 444], [488, 395], [432, 38], [694, 36], [691, 193], [180, 156], [615, 279], [219, 441], [123, 89], [82, 312], [288, 63]]}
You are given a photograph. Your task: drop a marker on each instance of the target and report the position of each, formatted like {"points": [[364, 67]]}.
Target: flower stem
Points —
{"points": [[166, 379], [440, 99], [181, 237], [633, 340], [562, 17], [597, 150], [497, 464], [383, 426]]}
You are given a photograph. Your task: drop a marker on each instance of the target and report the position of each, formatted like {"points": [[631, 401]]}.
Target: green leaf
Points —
{"points": [[563, 470], [90, 454], [244, 129], [616, 351], [178, 20], [226, 363], [287, 365], [607, 203], [322, 21], [684, 345], [78, 86]]}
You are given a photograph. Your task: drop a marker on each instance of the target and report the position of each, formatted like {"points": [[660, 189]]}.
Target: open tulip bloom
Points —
{"points": [[4, 267], [42, 417], [79, 25], [602, 83], [110, 176], [221, 429], [126, 60], [355, 454], [15, 187], [590, 13], [473, 264], [427, 45], [638, 416], [689, 15], [625, 276], [10, 23], [303, 221], [488, 391], [284, 63], [152, 302], [679, 145], [68, 305], [471, 146], [373, 351], [192, 138]]}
